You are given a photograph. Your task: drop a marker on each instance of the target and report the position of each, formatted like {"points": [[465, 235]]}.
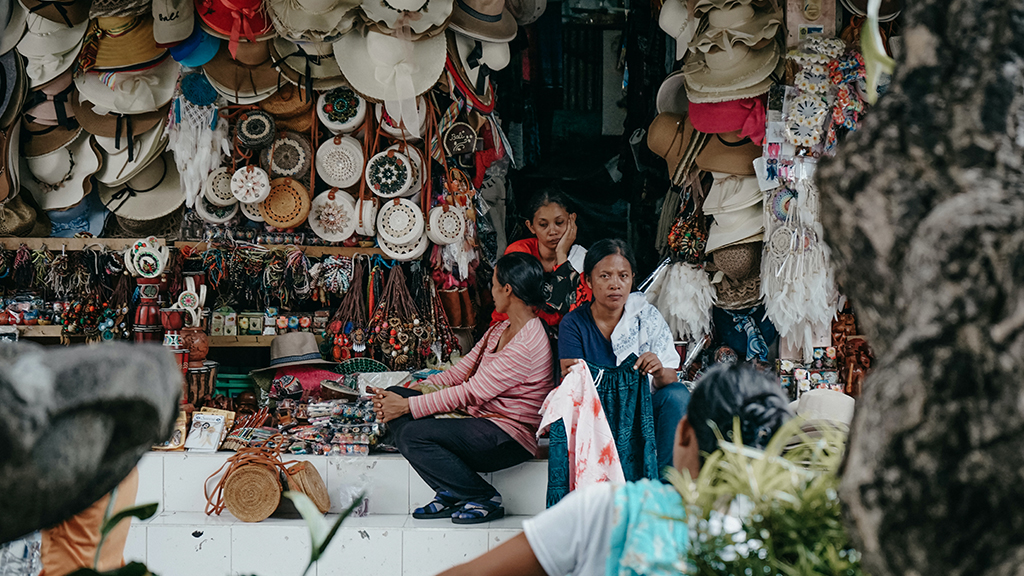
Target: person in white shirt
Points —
{"points": [[640, 526]]}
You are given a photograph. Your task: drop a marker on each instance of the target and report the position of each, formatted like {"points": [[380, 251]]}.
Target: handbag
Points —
{"points": [[689, 235]]}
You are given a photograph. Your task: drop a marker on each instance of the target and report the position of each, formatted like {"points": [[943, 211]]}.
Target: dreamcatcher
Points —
{"points": [[197, 139]]}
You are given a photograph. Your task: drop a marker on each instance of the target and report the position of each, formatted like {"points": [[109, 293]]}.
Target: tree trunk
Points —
{"points": [[924, 211]]}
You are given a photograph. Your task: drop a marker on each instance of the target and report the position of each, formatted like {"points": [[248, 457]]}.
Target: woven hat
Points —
{"points": [[732, 227], [737, 24], [105, 8], [416, 16], [290, 156], [61, 178], [383, 68], [738, 275], [404, 252], [745, 116], [332, 215], [696, 94], [241, 98], [10, 180], [250, 184], [410, 130], [315, 20], [446, 225], [888, 11], [249, 73], [153, 193], [196, 50], [123, 158], [390, 174], [339, 161], [217, 187], [234, 20], [304, 65], [486, 20], [124, 42], [294, 349], [526, 12], [49, 104], [671, 96], [677, 21], [174, 21], [17, 217], [740, 66], [14, 26], [399, 222], [341, 110], [213, 213], [729, 193], [669, 136], [730, 154], [255, 130], [133, 92], [87, 216], [67, 13], [40, 139]]}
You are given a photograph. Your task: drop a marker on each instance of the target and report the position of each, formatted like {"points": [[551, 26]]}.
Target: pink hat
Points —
{"points": [[747, 116]]}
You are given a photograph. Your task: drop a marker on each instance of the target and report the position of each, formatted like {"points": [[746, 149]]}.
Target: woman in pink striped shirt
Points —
{"points": [[499, 388]]}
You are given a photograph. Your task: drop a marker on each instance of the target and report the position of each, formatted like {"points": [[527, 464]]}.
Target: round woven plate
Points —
{"points": [[333, 219], [341, 110], [304, 478], [287, 205], [339, 161], [251, 211], [389, 174], [419, 173], [255, 129], [290, 156], [217, 188], [447, 226], [399, 222], [250, 184], [368, 227], [252, 492], [410, 251], [215, 214]]}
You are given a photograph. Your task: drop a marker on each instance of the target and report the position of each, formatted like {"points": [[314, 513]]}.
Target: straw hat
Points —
{"points": [[10, 181], [390, 174], [293, 349], [286, 103], [174, 21], [110, 124], [87, 216], [290, 156], [153, 193], [304, 65], [730, 193], [234, 20], [67, 13], [400, 222], [526, 12], [669, 136], [40, 139], [737, 277], [730, 154], [341, 110], [332, 215], [133, 92], [196, 50], [734, 91], [315, 20], [241, 98], [61, 178], [737, 24], [339, 161], [125, 42], [486, 20], [417, 16], [249, 73], [736, 226], [721, 69], [17, 217], [384, 68], [677, 21], [14, 26]]}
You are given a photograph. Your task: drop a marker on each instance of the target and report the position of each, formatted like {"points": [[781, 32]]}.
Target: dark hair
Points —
{"points": [[730, 391], [604, 248], [524, 273], [545, 197]]}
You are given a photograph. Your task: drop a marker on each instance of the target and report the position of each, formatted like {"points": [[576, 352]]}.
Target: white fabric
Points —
{"points": [[573, 537], [642, 329], [593, 457], [683, 295], [576, 256]]}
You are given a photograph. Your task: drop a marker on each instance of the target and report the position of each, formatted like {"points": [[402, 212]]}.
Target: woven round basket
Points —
{"points": [[252, 492], [306, 479], [400, 221], [339, 161], [288, 204]]}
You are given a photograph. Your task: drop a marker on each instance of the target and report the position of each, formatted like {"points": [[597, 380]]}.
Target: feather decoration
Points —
{"points": [[199, 141], [684, 296]]}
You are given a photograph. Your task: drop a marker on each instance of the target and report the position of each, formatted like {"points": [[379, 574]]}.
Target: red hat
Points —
{"points": [[233, 19], [747, 116]]}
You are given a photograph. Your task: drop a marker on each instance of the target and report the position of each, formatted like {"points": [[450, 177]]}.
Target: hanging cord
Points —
{"points": [[23, 272]]}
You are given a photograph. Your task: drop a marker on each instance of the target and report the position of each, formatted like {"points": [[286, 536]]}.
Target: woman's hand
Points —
{"points": [[565, 244], [389, 405], [649, 363]]}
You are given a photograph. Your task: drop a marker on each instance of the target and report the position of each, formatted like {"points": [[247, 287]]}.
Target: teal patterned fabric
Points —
{"points": [[651, 536]]}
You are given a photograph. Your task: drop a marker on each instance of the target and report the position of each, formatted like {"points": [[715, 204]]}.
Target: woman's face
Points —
{"points": [[549, 224], [611, 281], [502, 294]]}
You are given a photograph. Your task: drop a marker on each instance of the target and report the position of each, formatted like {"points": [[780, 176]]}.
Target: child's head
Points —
{"points": [[548, 217]]}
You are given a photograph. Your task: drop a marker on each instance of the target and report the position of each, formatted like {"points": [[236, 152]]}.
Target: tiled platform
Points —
{"points": [[181, 540]]}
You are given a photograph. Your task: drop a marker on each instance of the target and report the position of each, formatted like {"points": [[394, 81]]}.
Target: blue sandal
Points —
{"points": [[473, 512], [442, 506]]}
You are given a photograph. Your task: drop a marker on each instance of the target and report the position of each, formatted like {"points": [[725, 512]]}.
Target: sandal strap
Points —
{"points": [[479, 509]]}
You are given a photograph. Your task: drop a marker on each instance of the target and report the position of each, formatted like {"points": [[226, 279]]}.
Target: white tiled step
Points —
{"points": [[189, 543], [175, 481]]}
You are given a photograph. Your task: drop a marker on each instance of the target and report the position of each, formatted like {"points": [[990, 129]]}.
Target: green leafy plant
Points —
{"points": [[876, 61], [769, 513]]}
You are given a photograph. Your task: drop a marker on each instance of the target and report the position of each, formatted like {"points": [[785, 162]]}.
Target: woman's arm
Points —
{"points": [[457, 374], [570, 342], [513, 558]]}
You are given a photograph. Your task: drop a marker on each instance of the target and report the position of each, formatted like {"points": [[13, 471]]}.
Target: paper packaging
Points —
{"points": [[806, 17]]}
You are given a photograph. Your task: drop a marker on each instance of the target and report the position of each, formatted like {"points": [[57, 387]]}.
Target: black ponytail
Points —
{"points": [[726, 392], [524, 273]]}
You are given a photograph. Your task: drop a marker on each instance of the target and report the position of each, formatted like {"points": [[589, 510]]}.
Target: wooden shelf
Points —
{"points": [[243, 341], [70, 243], [313, 251], [51, 331]]}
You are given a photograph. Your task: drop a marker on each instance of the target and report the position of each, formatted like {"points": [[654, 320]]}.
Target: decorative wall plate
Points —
{"points": [[339, 161], [389, 174], [399, 221]]}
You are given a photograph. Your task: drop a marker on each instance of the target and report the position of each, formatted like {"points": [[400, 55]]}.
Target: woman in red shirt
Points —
{"points": [[554, 230]]}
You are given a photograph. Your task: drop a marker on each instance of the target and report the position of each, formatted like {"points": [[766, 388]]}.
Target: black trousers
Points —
{"points": [[448, 452]]}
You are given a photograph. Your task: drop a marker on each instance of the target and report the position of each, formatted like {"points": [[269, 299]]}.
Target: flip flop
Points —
{"points": [[478, 512]]}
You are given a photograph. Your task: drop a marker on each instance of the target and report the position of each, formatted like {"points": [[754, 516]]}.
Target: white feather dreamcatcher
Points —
{"points": [[684, 296], [198, 139]]}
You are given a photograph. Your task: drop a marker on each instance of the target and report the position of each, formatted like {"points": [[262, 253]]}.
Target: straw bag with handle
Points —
{"points": [[251, 485]]}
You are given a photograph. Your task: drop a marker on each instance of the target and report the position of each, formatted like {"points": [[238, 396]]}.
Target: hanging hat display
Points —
{"points": [[312, 20], [60, 178], [679, 23], [671, 96], [14, 26], [730, 193], [332, 215], [746, 116], [133, 92], [310, 65], [123, 158], [153, 193], [173, 21], [416, 17], [737, 227], [738, 23], [120, 43], [486, 20], [341, 110], [235, 20], [196, 50], [245, 75], [389, 174], [339, 161], [399, 221], [287, 205], [87, 216], [474, 61], [730, 154], [67, 13]]}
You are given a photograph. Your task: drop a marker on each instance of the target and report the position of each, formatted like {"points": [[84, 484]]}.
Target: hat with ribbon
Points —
{"points": [[69, 13], [737, 227], [61, 178], [50, 104], [41, 139], [234, 20], [733, 74], [307, 64], [134, 92], [249, 73], [294, 349], [486, 20], [122, 128], [679, 23], [13, 26], [44, 37], [386, 69], [747, 116], [473, 61], [196, 50], [153, 193], [10, 179], [312, 20], [405, 18], [120, 43], [173, 21], [730, 193], [85, 217], [735, 24], [124, 158]]}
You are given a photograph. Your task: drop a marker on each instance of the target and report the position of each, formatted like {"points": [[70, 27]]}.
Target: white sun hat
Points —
{"points": [[61, 178], [132, 92]]}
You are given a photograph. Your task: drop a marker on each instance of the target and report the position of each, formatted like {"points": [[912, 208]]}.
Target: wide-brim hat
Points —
{"points": [[62, 177], [10, 180], [67, 13], [671, 96], [677, 21], [287, 205], [243, 98], [736, 93], [14, 26], [475, 60], [118, 165], [294, 349], [332, 215], [417, 16], [382, 68], [723, 70], [486, 20], [50, 104], [173, 21], [732, 227], [41, 70], [730, 193], [669, 136], [341, 110], [287, 102], [889, 9], [301, 65], [40, 139], [154, 192], [111, 124], [87, 216], [526, 12], [133, 92], [235, 21], [737, 24], [46, 38], [315, 20], [249, 74], [730, 154], [746, 116], [196, 50], [17, 217], [134, 47]]}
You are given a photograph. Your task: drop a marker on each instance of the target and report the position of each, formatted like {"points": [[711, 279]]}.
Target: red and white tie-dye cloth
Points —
{"points": [[593, 457]]}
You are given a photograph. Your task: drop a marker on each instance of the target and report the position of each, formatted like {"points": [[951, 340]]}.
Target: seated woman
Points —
{"points": [[554, 230], [619, 322], [500, 385], [605, 527]]}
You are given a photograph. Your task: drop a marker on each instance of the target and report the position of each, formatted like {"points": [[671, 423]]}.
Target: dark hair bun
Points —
{"points": [[727, 392], [525, 274]]}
